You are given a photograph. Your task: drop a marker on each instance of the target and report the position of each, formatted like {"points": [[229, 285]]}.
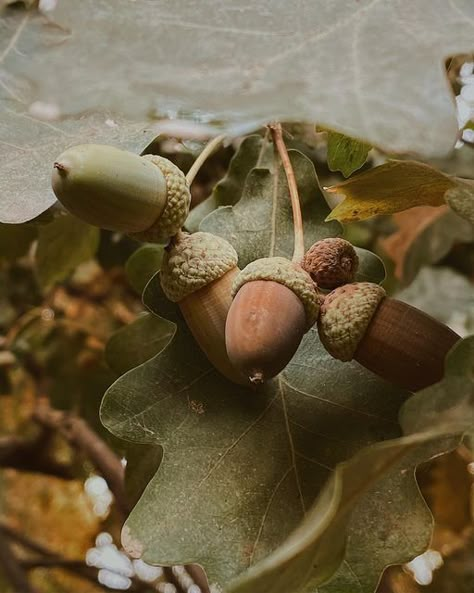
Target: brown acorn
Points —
{"points": [[197, 272], [392, 339], [331, 262], [275, 303]]}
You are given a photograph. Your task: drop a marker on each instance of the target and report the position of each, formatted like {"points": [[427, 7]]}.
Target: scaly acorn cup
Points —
{"points": [[331, 262], [146, 196], [392, 339], [197, 272], [275, 304]]}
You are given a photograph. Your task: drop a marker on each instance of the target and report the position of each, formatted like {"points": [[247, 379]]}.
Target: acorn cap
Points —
{"points": [[178, 200], [194, 261], [331, 262], [345, 316], [286, 272]]}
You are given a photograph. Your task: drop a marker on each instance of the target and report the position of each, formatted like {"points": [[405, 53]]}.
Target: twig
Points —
{"points": [[25, 541], [30, 455], [201, 159], [79, 434], [277, 135], [13, 569], [49, 559]]}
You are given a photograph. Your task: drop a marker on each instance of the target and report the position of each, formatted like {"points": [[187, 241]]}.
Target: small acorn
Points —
{"points": [[331, 262], [392, 339], [146, 196], [197, 272], [275, 304]]}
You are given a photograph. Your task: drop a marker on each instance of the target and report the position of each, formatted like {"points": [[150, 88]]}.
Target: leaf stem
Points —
{"points": [[277, 135], [206, 152]]}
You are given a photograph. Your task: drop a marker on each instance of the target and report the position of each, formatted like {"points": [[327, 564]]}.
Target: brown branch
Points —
{"points": [[25, 541], [49, 559], [12, 568], [277, 135], [80, 435], [31, 455]]}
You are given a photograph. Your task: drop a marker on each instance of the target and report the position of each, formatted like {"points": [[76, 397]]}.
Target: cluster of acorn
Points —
{"points": [[250, 322]]}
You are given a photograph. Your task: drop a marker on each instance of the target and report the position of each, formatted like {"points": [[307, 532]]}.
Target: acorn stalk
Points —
{"points": [[275, 300], [392, 339], [197, 273], [146, 197]]}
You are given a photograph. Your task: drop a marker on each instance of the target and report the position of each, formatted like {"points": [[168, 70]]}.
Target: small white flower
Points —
{"points": [[113, 580], [147, 572]]}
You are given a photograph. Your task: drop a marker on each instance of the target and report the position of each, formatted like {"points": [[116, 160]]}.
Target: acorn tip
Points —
{"points": [[257, 378], [60, 167]]}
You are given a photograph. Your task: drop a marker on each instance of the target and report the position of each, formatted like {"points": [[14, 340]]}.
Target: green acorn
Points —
{"points": [[146, 197]]}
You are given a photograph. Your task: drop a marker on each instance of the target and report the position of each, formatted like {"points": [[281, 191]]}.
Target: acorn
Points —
{"points": [[197, 273], [331, 262], [394, 340], [146, 197], [275, 303]]}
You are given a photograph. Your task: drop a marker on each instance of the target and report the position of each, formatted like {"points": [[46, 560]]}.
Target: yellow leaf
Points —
{"points": [[390, 188]]}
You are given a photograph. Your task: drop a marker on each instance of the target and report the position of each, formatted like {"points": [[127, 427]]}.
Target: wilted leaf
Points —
{"points": [[136, 343], [252, 152], [390, 188], [143, 264], [410, 225], [62, 246], [425, 235], [346, 154], [15, 239], [242, 63]]}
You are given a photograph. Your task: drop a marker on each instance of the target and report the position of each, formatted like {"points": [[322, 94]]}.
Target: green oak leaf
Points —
{"points": [[62, 245], [354, 495], [448, 405], [212, 479], [242, 469], [437, 416], [143, 264], [142, 463], [260, 224], [137, 342], [254, 151], [346, 154], [15, 240], [245, 65]]}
